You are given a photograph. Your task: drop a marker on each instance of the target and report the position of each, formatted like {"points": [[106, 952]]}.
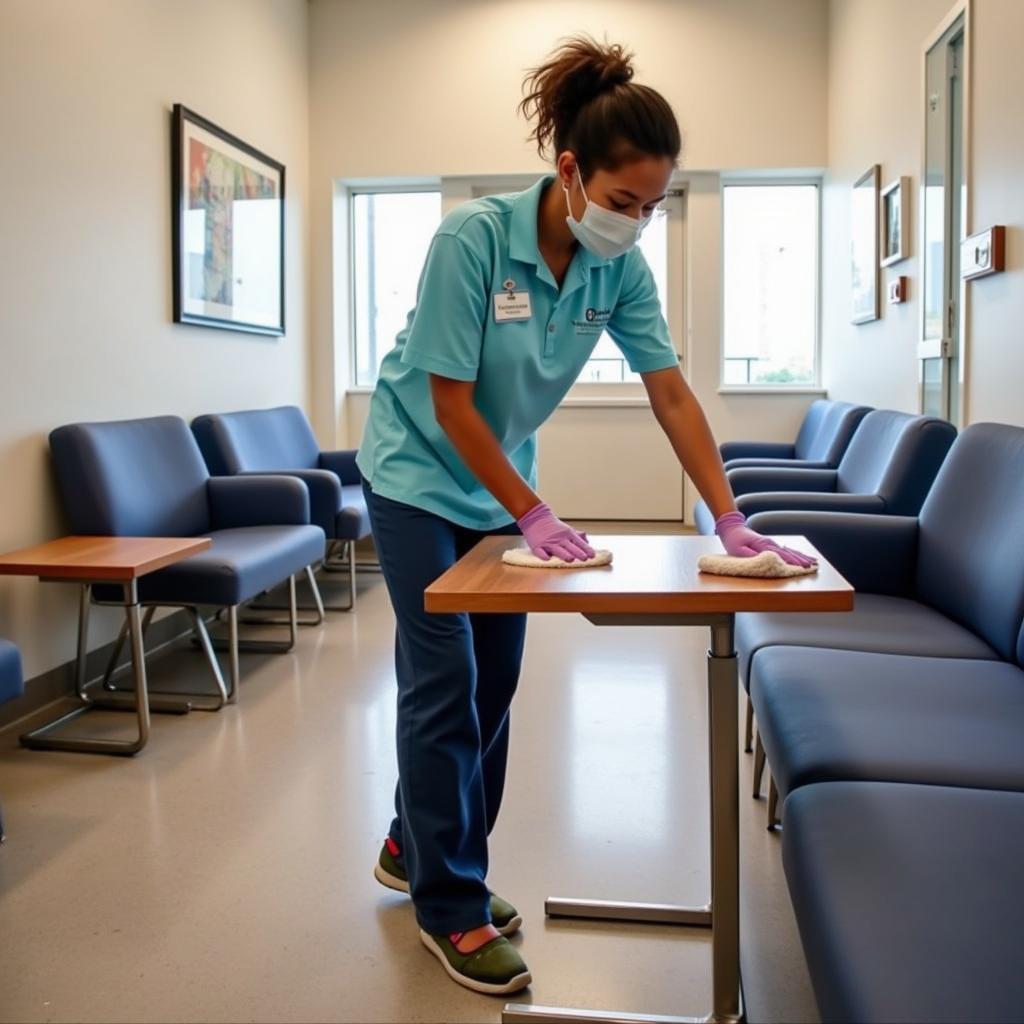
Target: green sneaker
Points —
{"points": [[496, 968], [390, 871]]}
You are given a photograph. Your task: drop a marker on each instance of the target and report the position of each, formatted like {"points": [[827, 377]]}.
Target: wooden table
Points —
{"points": [[118, 560], [654, 581]]}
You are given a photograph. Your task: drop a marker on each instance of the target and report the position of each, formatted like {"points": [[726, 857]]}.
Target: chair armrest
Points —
{"points": [[343, 465], [752, 481], [324, 493], [809, 501], [756, 450], [777, 464], [877, 554], [257, 500]]}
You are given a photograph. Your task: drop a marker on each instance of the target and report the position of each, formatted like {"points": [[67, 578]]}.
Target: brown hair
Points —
{"points": [[583, 99]]}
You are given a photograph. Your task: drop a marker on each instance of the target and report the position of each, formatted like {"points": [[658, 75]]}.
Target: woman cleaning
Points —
{"points": [[514, 294]]}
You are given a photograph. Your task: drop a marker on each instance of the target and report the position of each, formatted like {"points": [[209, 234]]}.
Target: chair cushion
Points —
{"points": [[893, 625], [11, 682], [353, 522], [240, 564], [143, 478], [257, 440], [971, 550], [825, 715], [909, 900]]}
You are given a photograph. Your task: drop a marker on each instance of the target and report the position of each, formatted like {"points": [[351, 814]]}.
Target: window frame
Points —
{"points": [[760, 181], [391, 187]]}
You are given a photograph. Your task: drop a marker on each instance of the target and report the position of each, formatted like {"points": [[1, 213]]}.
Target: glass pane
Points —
{"points": [[934, 191], [770, 242], [391, 232], [606, 365], [931, 387]]}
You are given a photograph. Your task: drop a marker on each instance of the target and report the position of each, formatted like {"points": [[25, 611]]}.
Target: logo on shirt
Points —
{"points": [[595, 322]]}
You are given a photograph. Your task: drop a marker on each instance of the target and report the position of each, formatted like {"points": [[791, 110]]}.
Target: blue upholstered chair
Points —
{"points": [[923, 681], [909, 900], [820, 443], [11, 685], [147, 477], [281, 440], [888, 469]]}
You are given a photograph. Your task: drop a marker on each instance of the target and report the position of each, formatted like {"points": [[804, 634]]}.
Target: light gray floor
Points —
{"points": [[225, 874]]}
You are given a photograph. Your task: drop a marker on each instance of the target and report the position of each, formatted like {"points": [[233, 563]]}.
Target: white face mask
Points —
{"points": [[603, 232]]}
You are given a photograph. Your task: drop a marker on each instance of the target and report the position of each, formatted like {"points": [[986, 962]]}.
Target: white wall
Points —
{"points": [[86, 91], [996, 367], [407, 90], [875, 116]]}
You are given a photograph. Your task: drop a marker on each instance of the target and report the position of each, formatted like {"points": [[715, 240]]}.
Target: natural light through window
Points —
{"points": [[770, 267], [391, 233]]}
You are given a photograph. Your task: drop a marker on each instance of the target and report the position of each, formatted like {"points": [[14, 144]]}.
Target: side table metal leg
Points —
{"points": [[723, 747]]}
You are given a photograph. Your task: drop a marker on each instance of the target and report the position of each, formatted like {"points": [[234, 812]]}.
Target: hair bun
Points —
{"points": [[580, 70]]}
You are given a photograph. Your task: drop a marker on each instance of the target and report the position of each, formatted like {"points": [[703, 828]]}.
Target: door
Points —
{"points": [[943, 207]]}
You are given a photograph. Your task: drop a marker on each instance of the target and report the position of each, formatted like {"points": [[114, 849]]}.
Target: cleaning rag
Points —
{"points": [[527, 559], [767, 565]]}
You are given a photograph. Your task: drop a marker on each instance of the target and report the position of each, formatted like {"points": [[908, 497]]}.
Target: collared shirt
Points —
{"points": [[522, 368]]}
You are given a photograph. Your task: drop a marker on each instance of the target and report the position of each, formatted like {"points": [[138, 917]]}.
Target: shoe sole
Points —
{"points": [[390, 881], [516, 984]]}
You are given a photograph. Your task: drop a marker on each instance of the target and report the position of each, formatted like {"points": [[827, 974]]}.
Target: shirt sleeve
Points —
{"points": [[447, 327], [637, 325]]}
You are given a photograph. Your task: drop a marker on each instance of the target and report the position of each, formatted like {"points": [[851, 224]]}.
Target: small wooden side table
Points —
{"points": [[87, 561]]}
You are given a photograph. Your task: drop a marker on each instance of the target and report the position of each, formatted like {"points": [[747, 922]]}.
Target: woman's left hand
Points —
{"points": [[742, 542]]}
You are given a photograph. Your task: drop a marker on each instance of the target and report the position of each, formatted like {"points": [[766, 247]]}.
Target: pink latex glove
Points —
{"points": [[742, 542], [547, 535]]}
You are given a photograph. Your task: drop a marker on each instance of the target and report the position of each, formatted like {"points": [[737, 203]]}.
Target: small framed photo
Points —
{"points": [[896, 221], [228, 229], [864, 267]]}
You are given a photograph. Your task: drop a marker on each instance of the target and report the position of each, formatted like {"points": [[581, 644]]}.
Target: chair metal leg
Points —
{"points": [[748, 728], [333, 563], [318, 607], [759, 761], [40, 738], [3, 833], [773, 805]]}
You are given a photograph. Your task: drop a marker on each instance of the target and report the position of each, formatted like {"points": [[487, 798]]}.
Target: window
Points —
{"points": [[770, 285], [391, 232], [606, 364]]}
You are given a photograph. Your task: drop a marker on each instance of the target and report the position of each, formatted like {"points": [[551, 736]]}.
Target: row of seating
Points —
{"points": [[884, 463], [894, 738], [12, 685], [274, 506]]}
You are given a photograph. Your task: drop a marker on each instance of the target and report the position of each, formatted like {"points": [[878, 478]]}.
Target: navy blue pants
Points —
{"points": [[456, 677]]}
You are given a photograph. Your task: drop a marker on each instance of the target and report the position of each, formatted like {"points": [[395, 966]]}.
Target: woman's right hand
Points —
{"points": [[547, 535]]}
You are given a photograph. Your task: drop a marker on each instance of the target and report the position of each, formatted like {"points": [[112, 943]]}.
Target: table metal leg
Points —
{"points": [[40, 739], [722, 914]]}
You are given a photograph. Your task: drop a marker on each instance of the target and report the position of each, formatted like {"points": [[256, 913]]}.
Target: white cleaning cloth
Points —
{"points": [[767, 565], [526, 558]]}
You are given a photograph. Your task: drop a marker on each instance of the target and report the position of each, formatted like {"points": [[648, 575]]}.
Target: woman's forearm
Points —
{"points": [[685, 425], [472, 437]]}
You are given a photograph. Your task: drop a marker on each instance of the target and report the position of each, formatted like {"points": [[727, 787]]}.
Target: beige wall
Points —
{"points": [[875, 115], [400, 89], [996, 367], [85, 275]]}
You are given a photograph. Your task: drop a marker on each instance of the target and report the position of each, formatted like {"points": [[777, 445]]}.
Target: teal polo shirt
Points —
{"points": [[522, 367]]}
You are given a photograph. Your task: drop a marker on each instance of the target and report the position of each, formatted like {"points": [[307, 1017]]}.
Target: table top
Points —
{"points": [[100, 558], [649, 575]]}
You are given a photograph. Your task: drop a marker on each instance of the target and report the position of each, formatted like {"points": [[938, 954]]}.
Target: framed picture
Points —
{"points": [[228, 229], [896, 221], [864, 270]]}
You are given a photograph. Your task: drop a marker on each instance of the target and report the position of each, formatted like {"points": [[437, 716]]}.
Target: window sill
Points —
{"points": [[606, 401], [359, 391], [780, 390]]}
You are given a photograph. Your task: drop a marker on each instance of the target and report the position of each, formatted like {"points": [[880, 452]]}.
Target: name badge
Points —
{"points": [[512, 305]]}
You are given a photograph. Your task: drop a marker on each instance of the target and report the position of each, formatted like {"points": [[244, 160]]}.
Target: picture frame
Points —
{"points": [[864, 262], [228, 206], [895, 215]]}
